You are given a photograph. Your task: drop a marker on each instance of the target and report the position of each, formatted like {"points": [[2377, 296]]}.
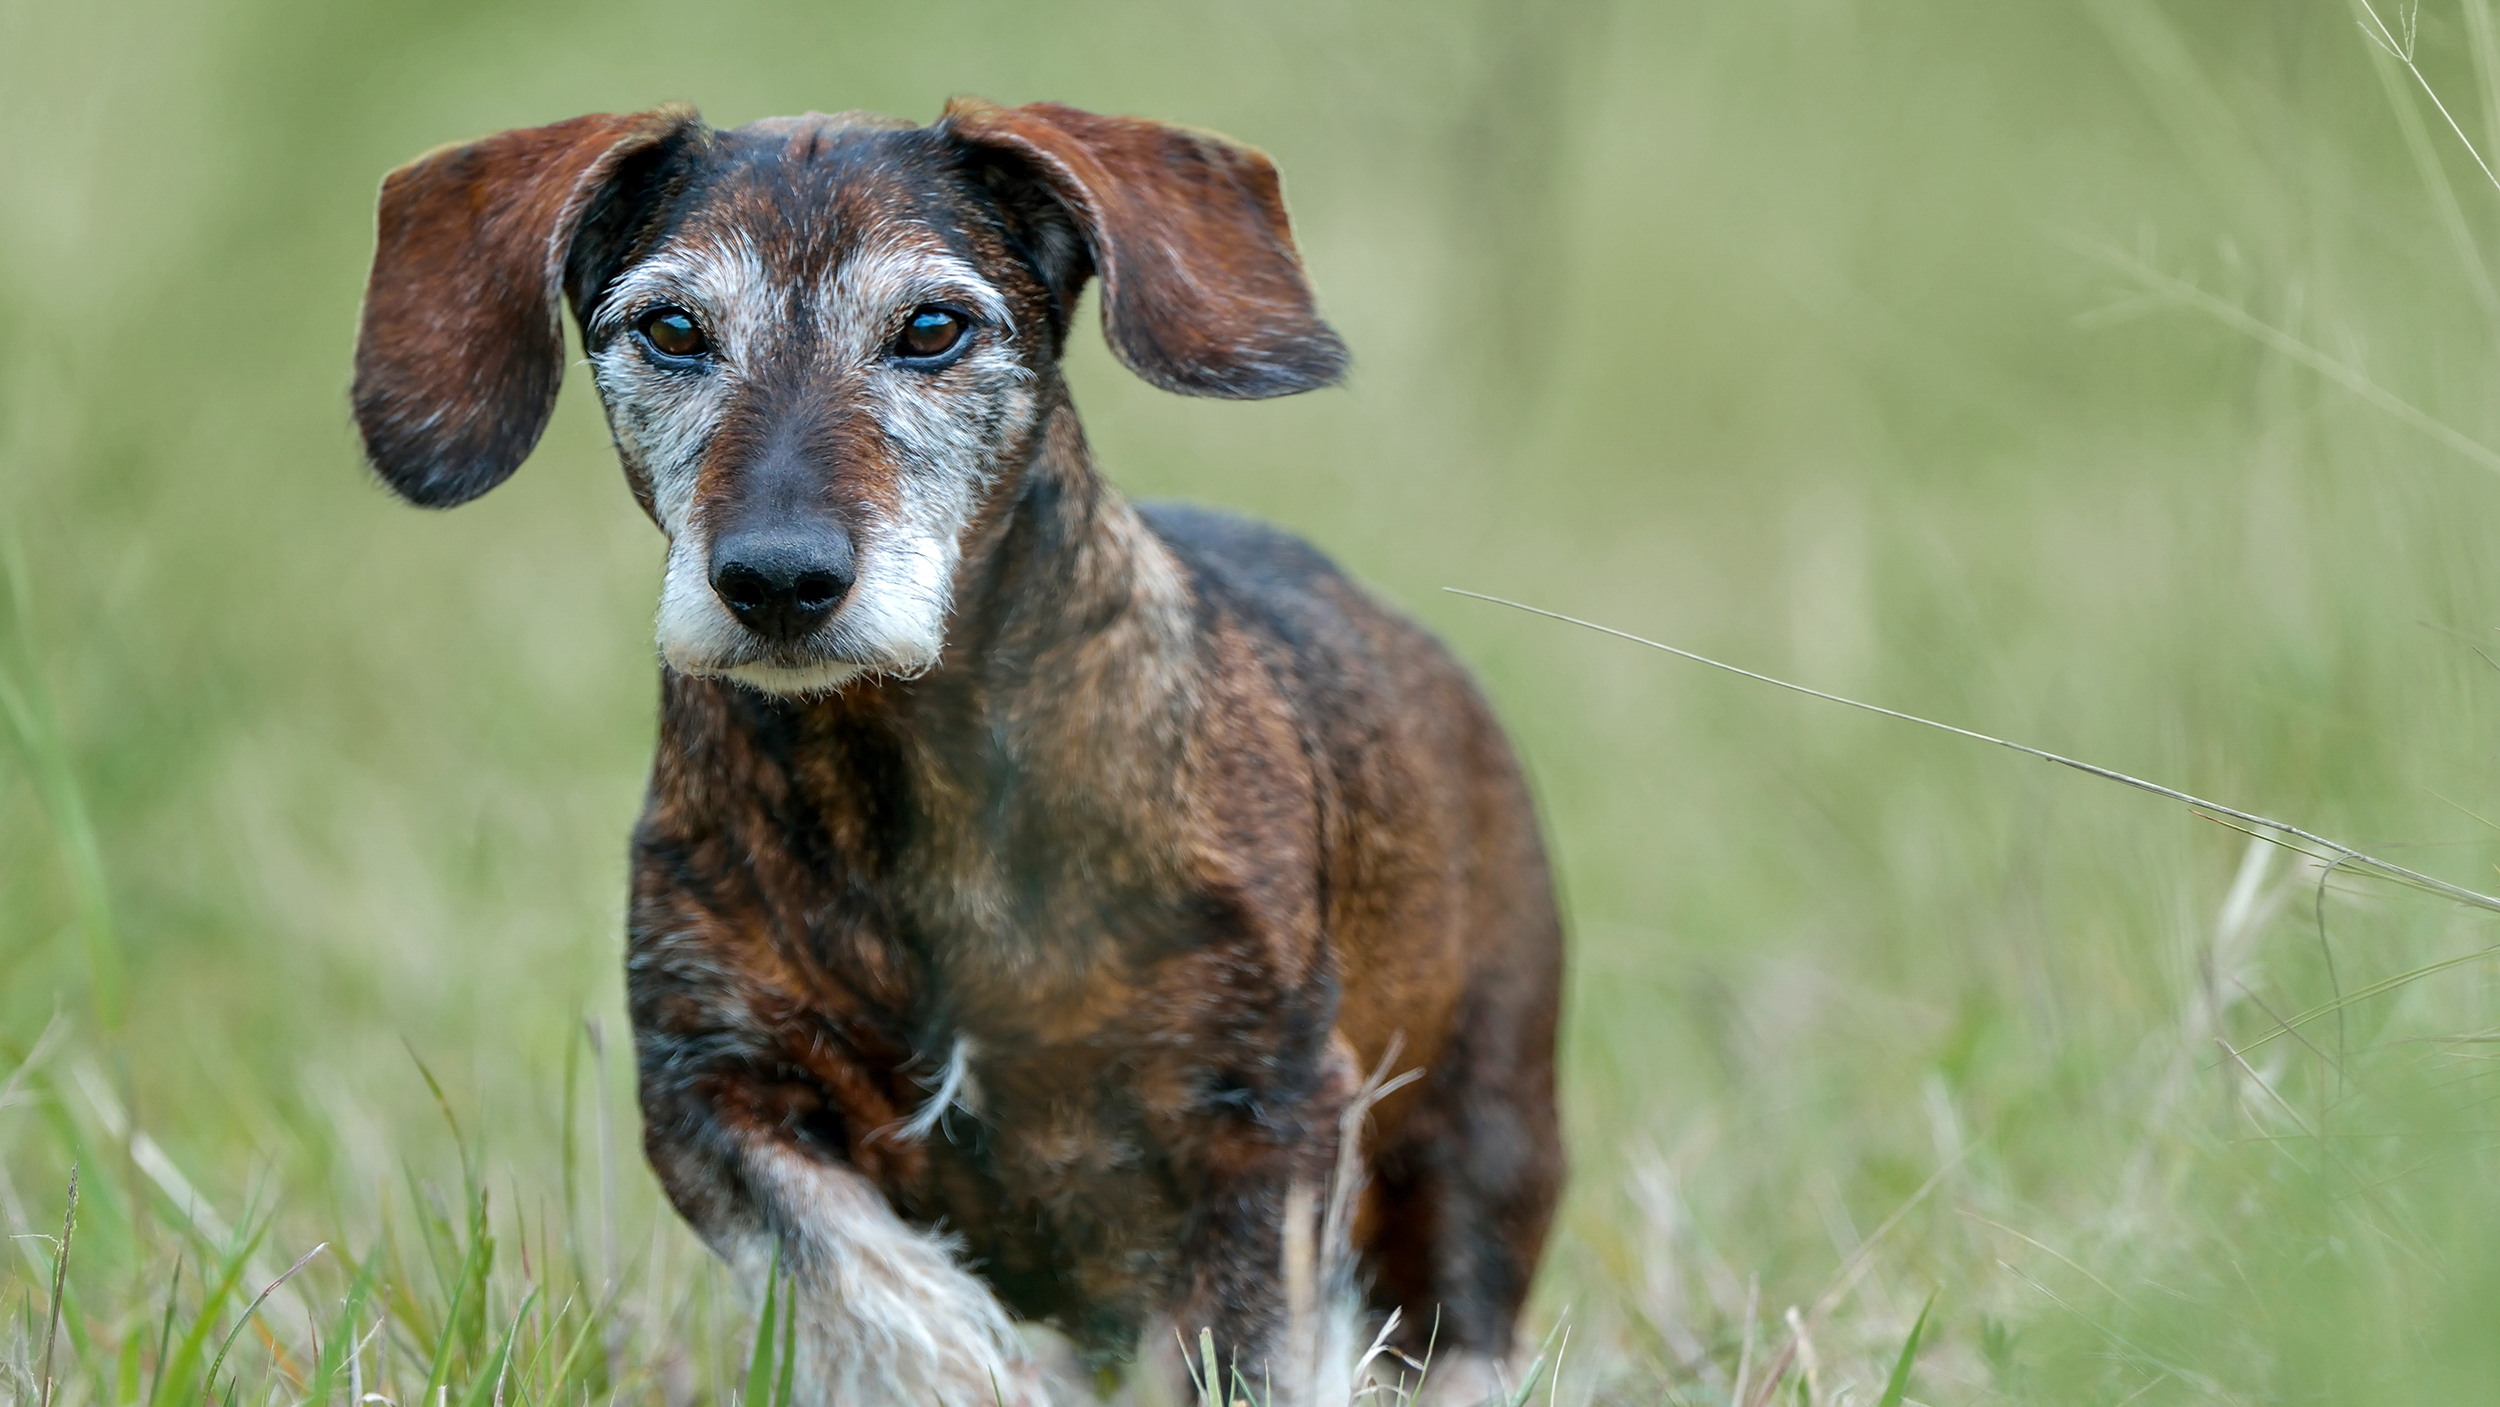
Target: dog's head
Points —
{"points": [[823, 342]]}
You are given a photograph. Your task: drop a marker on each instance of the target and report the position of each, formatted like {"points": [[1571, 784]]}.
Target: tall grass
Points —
{"points": [[2111, 376]]}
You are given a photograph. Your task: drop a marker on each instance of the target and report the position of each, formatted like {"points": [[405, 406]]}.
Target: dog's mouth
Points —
{"points": [[816, 665], [809, 679]]}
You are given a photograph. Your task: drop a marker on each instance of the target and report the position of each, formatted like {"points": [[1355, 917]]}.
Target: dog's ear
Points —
{"points": [[461, 347], [1202, 291]]}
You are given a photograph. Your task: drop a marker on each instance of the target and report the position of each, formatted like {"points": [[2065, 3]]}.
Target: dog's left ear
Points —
{"points": [[1202, 290], [462, 343]]}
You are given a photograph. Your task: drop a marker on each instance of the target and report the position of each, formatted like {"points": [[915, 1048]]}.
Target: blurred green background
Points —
{"points": [[2114, 375]]}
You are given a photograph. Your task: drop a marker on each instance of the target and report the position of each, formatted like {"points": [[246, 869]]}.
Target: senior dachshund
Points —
{"points": [[1027, 878]]}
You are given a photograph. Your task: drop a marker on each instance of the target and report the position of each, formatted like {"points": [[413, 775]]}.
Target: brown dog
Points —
{"points": [[1026, 877]]}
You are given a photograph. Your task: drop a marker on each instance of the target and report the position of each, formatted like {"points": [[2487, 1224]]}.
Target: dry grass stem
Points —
{"points": [[2359, 860]]}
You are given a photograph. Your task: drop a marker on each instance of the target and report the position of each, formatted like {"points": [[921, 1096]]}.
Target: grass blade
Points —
{"points": [[488, 1388], [174, 1384], [60, 1274], [340, 1359], [760, 1360], [1898, 1385], [165, 1334], [253, 1308], [464, 1324], [2266, 334], [2360, 994], [787, 1387]]}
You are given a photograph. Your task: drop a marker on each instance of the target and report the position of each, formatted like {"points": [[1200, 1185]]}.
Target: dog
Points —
{"points": [[1027, 879]]}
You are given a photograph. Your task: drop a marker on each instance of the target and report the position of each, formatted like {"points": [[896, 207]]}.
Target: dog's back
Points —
{"points": [[1440, 912]]}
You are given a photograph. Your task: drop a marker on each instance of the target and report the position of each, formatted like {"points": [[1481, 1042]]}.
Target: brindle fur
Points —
{"points": [[1183, 832]]}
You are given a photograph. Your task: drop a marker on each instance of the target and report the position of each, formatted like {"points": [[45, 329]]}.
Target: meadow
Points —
{"points": [[2116, 376]]}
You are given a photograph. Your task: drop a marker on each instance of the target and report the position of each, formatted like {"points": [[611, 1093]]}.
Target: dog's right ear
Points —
{"points": [[1202, 289], [461, 347]]}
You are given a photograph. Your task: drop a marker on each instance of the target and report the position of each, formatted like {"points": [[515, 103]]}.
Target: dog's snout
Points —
{"points": [[782, 585]]}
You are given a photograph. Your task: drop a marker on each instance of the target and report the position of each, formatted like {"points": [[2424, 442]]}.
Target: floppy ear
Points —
{"points": [[462, 343], [1202, 292]]}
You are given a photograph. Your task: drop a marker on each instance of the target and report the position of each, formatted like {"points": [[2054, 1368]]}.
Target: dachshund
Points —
{"points": [[1028, 878]]}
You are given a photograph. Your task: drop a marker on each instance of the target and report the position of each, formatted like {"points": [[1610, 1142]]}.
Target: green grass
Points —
{"points": [[2115, 376]]}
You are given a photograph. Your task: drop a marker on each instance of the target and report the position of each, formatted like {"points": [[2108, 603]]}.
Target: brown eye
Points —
{"points": [[672, 334], [932, 332]]}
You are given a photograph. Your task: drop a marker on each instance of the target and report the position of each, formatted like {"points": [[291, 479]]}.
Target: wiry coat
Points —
{"points": [[1011, 945]]}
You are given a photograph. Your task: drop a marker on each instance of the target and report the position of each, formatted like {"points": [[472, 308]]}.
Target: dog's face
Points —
{"points": [[825, 361], [824, 344]]}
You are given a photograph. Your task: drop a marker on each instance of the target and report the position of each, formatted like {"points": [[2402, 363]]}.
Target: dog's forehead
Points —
{"points": [[818, 124], [804, 190]]}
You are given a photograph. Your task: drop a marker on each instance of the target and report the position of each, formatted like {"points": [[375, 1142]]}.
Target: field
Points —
{"points": [[2116, 376]]}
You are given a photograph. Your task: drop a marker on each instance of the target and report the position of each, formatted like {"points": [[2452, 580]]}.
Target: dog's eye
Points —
{"points": [[672, 334], [931, 333]]}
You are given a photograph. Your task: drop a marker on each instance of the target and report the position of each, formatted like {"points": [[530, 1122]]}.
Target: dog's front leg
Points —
{"points": [[1248, 1154], [1235, 1293], [886, 1314]]}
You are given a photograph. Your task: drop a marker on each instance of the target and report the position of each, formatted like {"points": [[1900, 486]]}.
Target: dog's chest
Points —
{"points": [[1092, 1061], [1089, 983], [1049, 1173]]}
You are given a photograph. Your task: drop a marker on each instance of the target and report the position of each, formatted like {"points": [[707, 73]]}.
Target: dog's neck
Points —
{"points": [[1058, 562], [1065, 601]]}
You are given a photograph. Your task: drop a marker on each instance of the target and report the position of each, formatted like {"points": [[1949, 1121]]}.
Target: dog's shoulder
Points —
{"points": [[1273, 582], [1239, 555], [1342, 640]]}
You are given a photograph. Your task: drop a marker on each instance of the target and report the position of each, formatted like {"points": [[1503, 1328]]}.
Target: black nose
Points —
{"points": [[782, 584]]}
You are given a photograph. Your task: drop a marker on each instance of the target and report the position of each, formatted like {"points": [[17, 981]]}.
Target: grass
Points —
{"points": [[2110, 376]]}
